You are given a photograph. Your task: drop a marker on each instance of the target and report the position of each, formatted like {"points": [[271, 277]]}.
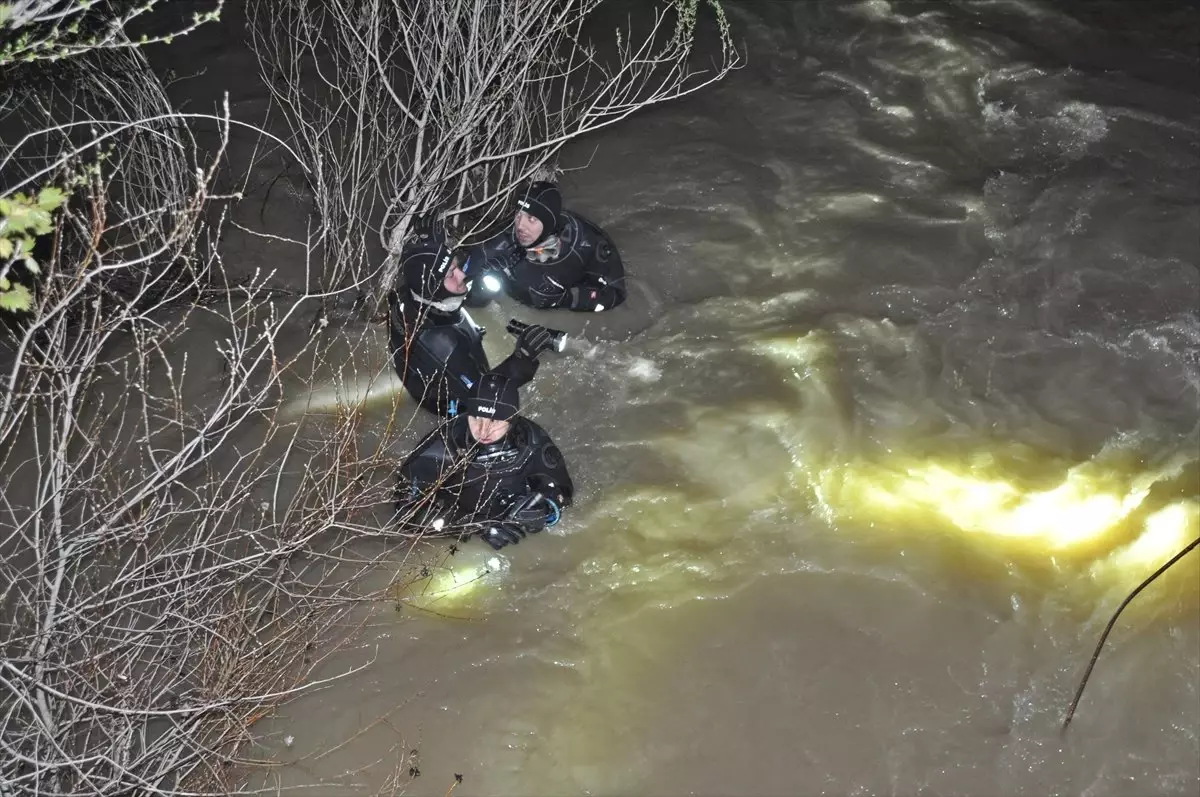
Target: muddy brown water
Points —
{"points": [[902, 405]]}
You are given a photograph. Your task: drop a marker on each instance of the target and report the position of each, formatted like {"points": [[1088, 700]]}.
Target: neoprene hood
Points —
{"points": [[494, 397], [544, 202], [425, 263]]}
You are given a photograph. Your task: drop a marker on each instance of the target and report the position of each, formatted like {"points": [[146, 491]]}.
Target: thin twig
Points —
{"points": [[1104, 637]]}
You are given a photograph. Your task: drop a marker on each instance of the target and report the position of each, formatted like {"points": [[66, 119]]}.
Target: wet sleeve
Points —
{"points": [[595, 296], [424, 466], [602, 286], [498, 253], [517, 368]]}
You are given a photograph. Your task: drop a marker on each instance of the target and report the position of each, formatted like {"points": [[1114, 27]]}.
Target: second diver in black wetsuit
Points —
{"points": [[436, 348], [487, 471], [550, 258]]}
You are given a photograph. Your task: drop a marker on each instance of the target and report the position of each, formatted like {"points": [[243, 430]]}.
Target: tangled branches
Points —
{"points": [[104, 112], [53, 30], [173, 545], [432, 104]]}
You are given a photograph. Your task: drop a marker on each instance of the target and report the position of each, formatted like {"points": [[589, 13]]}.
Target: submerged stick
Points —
{"points": [[1116, 614]]}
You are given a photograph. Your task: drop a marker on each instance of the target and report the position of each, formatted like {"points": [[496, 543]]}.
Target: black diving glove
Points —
{"points": [[592, 299], [419, 507], [501, 533], [534, 340], [427, 225], [421, 514], [501, 254]]}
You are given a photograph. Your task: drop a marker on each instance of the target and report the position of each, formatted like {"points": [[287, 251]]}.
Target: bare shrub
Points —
{"points": [[412, 105], [176, 548]]}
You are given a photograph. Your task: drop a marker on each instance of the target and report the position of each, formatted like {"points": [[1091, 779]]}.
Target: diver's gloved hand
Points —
{"points": [[418, 509], [478, 295], [533, 340], [592, 299], [421, 516], [427, 225], [501, 533], [501, 254]]}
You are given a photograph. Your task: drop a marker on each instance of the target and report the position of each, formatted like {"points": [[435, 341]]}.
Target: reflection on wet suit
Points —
{"points": [[487, 471], [550, 258]]}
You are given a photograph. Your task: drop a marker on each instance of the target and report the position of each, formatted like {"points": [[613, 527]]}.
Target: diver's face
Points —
{"points": [[456, 279], [487, 430], [527, 228]]}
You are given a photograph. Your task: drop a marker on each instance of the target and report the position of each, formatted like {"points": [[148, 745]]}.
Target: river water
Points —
{"points": [[902, 406]]}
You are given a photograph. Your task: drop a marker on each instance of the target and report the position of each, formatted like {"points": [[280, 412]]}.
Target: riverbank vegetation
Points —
{"points": [[179, 546]]}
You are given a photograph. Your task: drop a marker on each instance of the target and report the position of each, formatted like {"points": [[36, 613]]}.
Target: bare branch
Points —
{"points": [[405, 106]]}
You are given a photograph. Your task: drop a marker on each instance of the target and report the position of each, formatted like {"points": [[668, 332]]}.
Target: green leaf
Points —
{"points": [[23, 217], [4, 284], [6, 249], [50, 198], [16, 300], [6, 12], [31, 266]]}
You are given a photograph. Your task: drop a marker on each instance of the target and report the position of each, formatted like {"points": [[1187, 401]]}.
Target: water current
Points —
{"points": [[902, 406]]}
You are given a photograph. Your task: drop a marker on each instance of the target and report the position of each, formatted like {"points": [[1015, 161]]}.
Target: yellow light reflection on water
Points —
{"points": [[729, 503], [356, 392], [1078, 510], [453, 584], [1112, 507], [1096, 510], [1165, 533]]}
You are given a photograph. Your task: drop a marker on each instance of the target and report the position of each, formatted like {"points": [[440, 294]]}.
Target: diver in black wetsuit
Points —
{"points": [[550, 258], [436, 348], [486, 471]]}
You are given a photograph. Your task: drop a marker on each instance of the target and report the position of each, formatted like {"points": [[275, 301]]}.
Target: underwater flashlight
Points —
{"points": [[559, 337], [492, 283]]}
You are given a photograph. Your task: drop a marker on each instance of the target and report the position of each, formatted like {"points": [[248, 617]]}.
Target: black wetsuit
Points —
{"points": [[578, 268], [474, 483], [439, 356]]}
